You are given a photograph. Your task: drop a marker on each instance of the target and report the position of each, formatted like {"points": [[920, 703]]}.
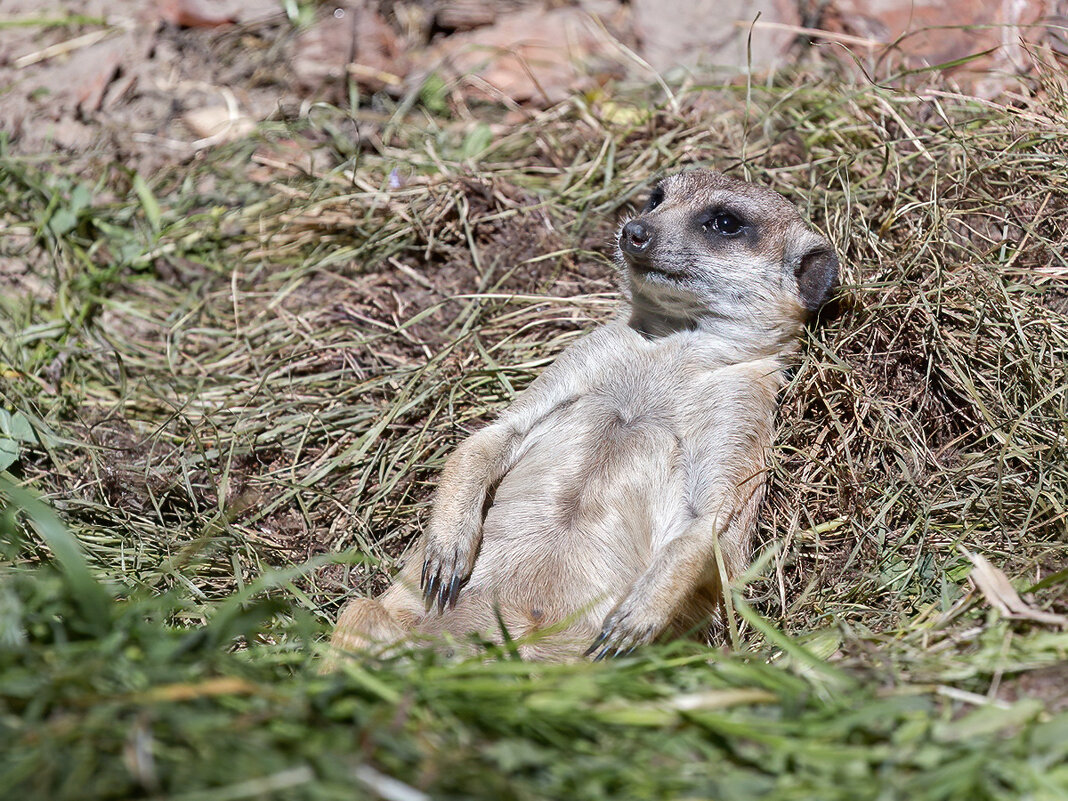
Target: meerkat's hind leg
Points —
{"points": [[379, 623], [376, 622], [365, 623]]}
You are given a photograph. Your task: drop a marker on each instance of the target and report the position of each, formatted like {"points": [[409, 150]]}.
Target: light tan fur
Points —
{"points": [[592, 508]]}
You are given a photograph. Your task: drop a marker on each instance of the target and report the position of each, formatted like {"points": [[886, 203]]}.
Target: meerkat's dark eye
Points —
{"points": [[656, 197], [725, 224]]}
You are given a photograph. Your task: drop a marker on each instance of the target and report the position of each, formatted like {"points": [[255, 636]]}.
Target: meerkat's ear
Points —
{"points": [[817, 275]]}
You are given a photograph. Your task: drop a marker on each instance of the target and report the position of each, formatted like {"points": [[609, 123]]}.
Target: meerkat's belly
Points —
{"points": [[575, 521]]}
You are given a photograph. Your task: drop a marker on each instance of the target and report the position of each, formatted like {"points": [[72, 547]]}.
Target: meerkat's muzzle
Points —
{"points": [[636, 239]]}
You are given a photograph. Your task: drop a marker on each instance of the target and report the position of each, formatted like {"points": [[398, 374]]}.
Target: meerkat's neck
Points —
{"points": [[737, 341], [655, 323]]}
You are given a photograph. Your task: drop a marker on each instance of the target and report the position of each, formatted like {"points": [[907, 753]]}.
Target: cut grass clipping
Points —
{"points": [[227, 389]]}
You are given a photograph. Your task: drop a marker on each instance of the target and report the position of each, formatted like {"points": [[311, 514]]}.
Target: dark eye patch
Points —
{"points": [[656, 197]]}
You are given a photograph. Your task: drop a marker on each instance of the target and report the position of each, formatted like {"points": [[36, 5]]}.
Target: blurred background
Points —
{"points": [[152, 80]]}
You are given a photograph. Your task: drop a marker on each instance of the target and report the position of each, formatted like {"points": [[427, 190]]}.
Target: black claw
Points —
{"points": [[422, 577], [431, 585], [454, 590], [596, 643], [443, 595]]}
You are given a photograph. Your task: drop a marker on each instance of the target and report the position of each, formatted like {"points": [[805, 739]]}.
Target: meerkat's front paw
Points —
{"points": [[445, 568], [629, 625]]}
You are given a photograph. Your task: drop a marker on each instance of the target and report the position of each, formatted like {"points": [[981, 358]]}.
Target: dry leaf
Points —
{"points": [[1000, 594], [194, 14], [218, 124]]}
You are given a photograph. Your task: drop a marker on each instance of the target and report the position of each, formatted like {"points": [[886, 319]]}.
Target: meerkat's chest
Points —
{"points": [[602, 477], [612, 447], [643, 392]]}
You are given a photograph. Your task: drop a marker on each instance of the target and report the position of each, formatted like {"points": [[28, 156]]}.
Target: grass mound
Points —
{"points": [[235, 383]]}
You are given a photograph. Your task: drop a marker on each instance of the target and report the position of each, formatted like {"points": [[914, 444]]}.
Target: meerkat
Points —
{"points": [[607, 504]]}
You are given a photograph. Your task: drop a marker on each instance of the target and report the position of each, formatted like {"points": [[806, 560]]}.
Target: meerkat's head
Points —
{"points": [[709, 251]]}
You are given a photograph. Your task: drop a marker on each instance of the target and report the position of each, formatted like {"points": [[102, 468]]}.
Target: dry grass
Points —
{"points": [[244, 365]]}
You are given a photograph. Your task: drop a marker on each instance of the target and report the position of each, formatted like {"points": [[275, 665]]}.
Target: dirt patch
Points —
{"points": [[155, 83], [1046, 684], [115, 81]]}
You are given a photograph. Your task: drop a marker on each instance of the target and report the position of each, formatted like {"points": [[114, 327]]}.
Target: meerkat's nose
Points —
{"points": [[635, 238]]}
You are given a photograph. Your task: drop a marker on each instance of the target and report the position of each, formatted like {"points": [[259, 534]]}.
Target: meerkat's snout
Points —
{"points": [[636, 239]]}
